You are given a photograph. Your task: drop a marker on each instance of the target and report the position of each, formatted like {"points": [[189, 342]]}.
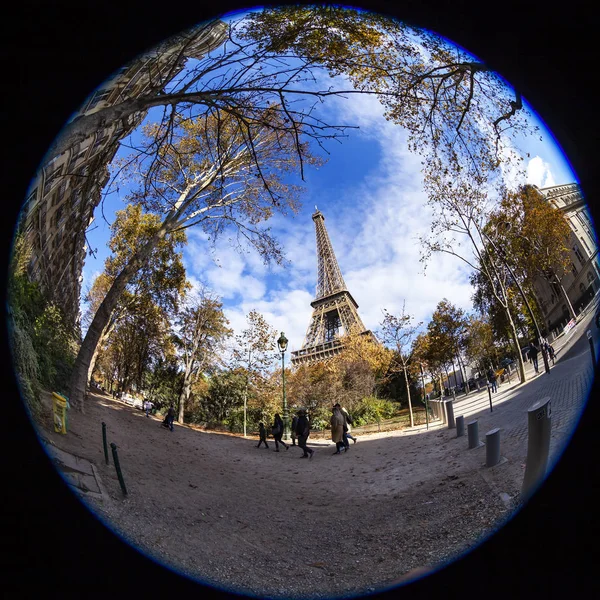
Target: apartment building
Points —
{"points": [[582, 282], [67, 188]]}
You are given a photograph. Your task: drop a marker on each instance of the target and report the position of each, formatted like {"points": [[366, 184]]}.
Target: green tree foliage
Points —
{"points": [[481, 348], [163, 382], [43, 345], [534, 237], [447, 329], [225, 394], [399, 332], [254, 352], [201, 330], [137, 331]]}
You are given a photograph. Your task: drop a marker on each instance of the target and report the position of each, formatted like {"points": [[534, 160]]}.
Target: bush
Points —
{"points": [[373, 410]]}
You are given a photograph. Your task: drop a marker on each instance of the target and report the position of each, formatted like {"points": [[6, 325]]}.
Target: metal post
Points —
{"points": [[450, 413], [104, 442], [473, 433], [118, 467], [286, 414], [591, 341], [490, 395], [539, 425], [492, 447], [460, 426]]}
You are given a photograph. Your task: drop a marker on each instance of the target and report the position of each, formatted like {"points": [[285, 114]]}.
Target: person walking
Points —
{"points": [[551, 352], [533, 354], [148, 406], [278, 432], [348, 427], [303, 431], [337, 429], [492, 380], [293, 432], [262, 434], [170, 417]]}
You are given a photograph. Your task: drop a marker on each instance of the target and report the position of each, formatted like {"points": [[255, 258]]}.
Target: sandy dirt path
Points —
{"points": [[273, 524]]}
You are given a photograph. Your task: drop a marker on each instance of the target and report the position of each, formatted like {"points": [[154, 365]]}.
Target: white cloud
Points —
{"points": [[539, 173]]}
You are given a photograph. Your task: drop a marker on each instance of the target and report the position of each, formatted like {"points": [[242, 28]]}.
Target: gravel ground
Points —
{"points": [[274, 525]]}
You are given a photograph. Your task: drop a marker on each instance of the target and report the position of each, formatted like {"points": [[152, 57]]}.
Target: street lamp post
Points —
{"points": [[425, 397], [282, 344], [533, 319]]}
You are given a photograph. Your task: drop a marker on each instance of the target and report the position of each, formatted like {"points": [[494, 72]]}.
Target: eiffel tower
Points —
{"points": [[334, 309]]}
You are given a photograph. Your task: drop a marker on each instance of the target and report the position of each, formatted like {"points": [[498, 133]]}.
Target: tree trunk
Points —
{"points": [[454, 374], [463, 372], [102, 318], [412, 422], [184, 396], [515, 338], [566, 298]]}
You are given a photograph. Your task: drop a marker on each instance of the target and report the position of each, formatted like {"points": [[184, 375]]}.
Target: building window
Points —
{"points": [[51, 179], [578, 254], [97, 97], [584, 244], [100, 139], [31, 198], [573, 269], [581, 288], [553, 299]]}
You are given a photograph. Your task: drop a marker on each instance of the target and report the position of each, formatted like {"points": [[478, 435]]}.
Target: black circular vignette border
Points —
{"points": [[54, 55]]}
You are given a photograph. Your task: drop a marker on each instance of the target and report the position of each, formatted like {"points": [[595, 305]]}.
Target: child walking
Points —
{"points": [[262, 432]]}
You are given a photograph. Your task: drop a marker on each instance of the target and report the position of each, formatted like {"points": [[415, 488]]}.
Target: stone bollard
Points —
{"points": [[539, 426], [492, 447], [473, 433], [450, 414], [460, 426]]}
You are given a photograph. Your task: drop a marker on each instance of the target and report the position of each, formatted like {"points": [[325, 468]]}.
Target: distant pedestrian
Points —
{"points": [[148, 406], [262, 434], [293, 431], [303, 431], [168, 422], [337, 429], [533, 355], [277, 432], [551, 352], [492, 380]]}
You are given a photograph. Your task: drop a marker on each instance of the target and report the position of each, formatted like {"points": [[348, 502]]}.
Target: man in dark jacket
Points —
{"points": [[302, 433], [533, 355], [293, 428]]}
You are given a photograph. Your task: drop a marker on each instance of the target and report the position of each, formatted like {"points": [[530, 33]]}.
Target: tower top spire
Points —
{"points": [[329, 275]]}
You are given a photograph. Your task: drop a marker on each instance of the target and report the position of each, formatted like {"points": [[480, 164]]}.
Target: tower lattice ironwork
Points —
{"points": [[335, 312]]}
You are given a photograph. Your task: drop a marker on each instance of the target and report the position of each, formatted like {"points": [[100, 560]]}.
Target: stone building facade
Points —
{"points": [[582, 282], [60, 203]]}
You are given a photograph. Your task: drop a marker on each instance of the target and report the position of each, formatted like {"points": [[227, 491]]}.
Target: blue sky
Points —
{"points": [[371, 195]]}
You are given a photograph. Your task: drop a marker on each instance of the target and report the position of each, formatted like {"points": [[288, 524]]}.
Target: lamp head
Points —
{"points": [[282, 342]]}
